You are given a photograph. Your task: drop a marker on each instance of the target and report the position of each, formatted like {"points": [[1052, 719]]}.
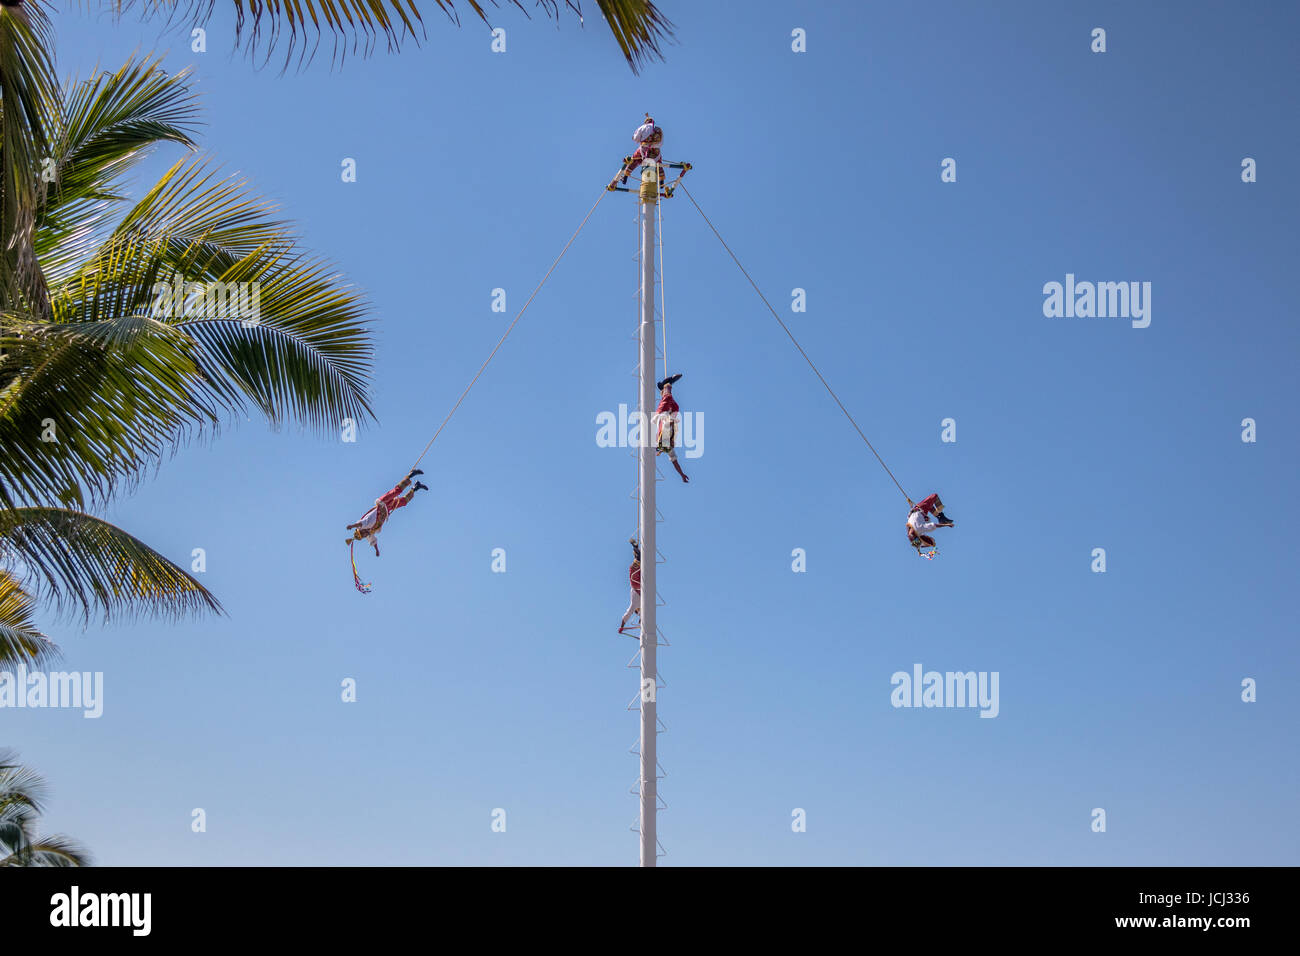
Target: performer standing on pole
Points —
{"points": [[648, 138]]}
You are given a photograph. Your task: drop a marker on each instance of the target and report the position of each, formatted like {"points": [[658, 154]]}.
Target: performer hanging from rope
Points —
{"points": [[648, 138], [919, 521], [373, 520], [634, 577], [667, 415]]}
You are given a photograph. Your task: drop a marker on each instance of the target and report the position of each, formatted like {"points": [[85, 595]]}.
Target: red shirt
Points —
{"points": [[667, 404], [634, 576]]}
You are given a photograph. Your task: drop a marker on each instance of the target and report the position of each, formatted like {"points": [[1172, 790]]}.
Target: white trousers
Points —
{"points": [[667, 437], [633, 607]]}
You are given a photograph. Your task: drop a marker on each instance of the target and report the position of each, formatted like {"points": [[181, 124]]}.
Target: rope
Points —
{"points": [[509, 329], [795, 341], [663, 305]]}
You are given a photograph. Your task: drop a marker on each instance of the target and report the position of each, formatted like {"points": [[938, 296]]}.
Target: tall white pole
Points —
{"points": [[646, 459]]}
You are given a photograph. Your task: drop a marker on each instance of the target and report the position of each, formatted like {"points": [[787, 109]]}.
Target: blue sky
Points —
{"points": [[477, 690]]}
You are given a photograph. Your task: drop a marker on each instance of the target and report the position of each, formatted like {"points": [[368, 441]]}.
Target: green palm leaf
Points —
{"points": [[306, 354], [90, 404], [79, 562], [639, 27], [123, 383], [22, 798], [19, 638], [49, 851], [106, 126], [27, 91], [358, 26]]}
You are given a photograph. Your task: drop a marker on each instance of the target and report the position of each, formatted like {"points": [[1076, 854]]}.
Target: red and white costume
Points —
{"points": [[634, 605], [667, 416], [385, 505], [647, 145], [921, 520]]}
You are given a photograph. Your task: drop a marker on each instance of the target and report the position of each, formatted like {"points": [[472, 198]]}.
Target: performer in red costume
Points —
{"points": [[920, 520], [667, 416], [634, 578], [373, 520]]}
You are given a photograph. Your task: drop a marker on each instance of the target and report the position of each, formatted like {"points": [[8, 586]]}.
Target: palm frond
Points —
{"points": [[358, 26], [20, 641], [22, 798], [128, 371], [640, 29], [85, 406], [305, 354], [78, 562], [22, 790], [28, 88], [17, 820], [354, 26], [49, 851], [203, 215], [107, 125]]}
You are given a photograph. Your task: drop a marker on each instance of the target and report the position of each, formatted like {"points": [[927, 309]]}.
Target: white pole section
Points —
{"points": [[649, 630]]}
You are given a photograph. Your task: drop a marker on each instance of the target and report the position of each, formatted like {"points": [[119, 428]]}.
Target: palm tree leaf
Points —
{"points": [[16, 822], [639, 27], [22, 798], [21, 789], [87, 405], [107, 124], [20, 641], [357, 26], [125, 381], [80, 562], [300, 24], [28, 88], [49, 851], [203, 216], [305, 354]]}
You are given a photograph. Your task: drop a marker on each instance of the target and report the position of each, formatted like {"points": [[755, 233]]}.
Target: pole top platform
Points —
{"points": [[642, 192]]}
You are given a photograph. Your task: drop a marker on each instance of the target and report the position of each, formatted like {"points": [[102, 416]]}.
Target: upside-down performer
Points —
{"points": [[667, 416], [634, 578], [372, 521], [648, 138], [926, 515]]}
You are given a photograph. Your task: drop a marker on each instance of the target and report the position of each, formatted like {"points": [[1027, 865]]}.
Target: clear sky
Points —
{"points": [[477, 690]]}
